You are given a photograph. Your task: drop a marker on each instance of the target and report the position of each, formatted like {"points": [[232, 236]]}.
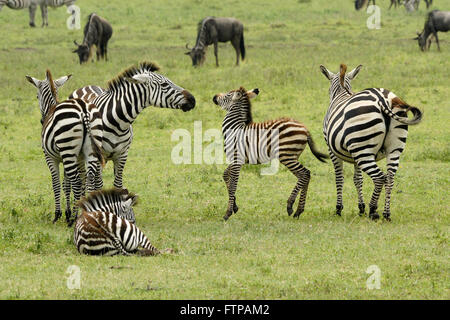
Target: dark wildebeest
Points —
{"points": [[436, 21], [212, 30], [96, 32], [361, 3]]}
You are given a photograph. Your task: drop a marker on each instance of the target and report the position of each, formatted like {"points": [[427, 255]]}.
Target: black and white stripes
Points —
{"points": [[362, 128], [103, 228], [255, 143], [71, 133], [120, 104]]}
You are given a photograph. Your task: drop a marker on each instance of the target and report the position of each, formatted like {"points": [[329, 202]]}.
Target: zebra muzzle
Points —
{"points": [[190, 101]]}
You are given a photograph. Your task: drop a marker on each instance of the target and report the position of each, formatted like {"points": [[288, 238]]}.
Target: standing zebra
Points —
{"points": [[362, 128], [32, 6], [65, 127], [88, 93], [248, 142], [106, 225], [126, 96]]}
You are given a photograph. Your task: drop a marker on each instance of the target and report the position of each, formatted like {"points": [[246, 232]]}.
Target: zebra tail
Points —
{"points": [[399, 103], [319, 155], [88, 119]]}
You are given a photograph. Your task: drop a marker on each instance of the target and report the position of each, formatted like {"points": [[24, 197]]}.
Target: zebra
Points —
{"points": [[32, 6], [104, 226], [88, 93], [126, 96], [248, 142], [65, 126], [362, 128]]}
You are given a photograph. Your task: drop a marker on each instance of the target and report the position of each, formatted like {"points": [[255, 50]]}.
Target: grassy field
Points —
{"points": [[260, 253]]}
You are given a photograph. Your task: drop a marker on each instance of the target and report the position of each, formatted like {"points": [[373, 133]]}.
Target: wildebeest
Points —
{"points": [[97, 31], [436, 21], [395, 3], [361, 3], [212, 30]]}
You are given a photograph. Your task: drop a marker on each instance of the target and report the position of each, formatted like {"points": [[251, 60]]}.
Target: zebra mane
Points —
{"points": [[248, 104], [113, 193], [52, 86], [132, 71]]}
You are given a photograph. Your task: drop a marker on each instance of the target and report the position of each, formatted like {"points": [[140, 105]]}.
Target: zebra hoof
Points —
{"points": [[235, 208], [387, 217], [58, 215], [339, 209], [297, 215], [289, 210], [362, 209], [227, 216], [373, 213], [32, 25]]}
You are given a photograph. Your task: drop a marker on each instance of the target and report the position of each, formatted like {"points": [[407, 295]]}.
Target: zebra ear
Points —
{"points": [[134, 199], [35, 82], [59, 82], [352, 74], [327, 73]]}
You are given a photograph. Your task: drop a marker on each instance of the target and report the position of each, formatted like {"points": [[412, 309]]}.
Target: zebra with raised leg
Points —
{"points": [[362, 128], [248, 142], [71, 133], [125, 98], [106, 226]]}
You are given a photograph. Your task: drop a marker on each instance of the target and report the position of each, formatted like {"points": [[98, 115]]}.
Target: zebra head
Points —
{"points": [[117, 201], [340, 81], [237, 102], [163, 92], [47, 91]]}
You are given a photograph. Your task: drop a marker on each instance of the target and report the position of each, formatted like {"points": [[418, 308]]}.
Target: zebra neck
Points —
{"points": [[234, 121], [124, 103]]}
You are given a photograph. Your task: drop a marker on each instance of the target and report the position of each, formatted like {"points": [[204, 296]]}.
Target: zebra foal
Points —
{"points": [[71, 133], [106, 225], [248, 142], [362, 128]]}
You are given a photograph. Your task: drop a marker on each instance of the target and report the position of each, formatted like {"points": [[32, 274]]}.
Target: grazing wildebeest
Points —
{"points": [[97, 32], [436, 21], [212, 30], [361, 3]]}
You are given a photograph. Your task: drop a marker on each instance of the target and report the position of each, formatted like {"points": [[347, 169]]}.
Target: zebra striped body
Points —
{"points": [[100, 230], [363, 128], [71, 133], [124, 99], [88, 93], [256, 143]]}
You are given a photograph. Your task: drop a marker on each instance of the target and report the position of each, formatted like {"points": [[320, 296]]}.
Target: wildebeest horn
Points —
{"points": [[188, 47]]}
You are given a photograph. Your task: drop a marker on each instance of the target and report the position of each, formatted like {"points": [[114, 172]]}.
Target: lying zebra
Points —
{"points": [[256, 143], [106, 226], [65, 127]]}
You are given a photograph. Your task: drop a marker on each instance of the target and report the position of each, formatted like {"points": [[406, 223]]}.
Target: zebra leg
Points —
{"points": [[56, 185], [339, 176], [119, 164], [358, 181], [70, 164], [226, 178], [233, 172], [303, 178], [98, 177], [67, 189], [44, 15], [379, 179]]}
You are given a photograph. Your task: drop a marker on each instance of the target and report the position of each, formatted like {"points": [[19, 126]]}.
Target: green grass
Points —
{"points": [[260, 253]]}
